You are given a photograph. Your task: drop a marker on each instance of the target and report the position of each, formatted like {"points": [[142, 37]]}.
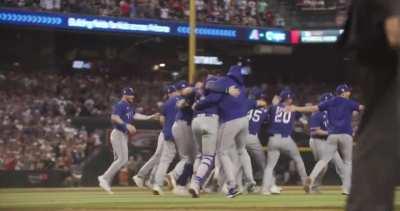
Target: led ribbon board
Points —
{"points": [[157, 27]]}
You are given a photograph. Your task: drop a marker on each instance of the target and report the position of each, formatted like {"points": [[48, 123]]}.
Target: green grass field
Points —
{"points": [[90, 199]]}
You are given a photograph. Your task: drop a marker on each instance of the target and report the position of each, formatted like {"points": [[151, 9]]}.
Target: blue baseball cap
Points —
{"points": [[128, 91], [170, 89], [342, 88], [286, 94], [258, 94], [181, 85], [325, 97]]}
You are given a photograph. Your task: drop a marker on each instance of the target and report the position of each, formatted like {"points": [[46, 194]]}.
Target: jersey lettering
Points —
{"points": [[282, 116], [255, 115]]}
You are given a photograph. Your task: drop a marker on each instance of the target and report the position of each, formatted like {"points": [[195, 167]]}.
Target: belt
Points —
{"points": [[319, 137], [278, 134], [206, 115]]}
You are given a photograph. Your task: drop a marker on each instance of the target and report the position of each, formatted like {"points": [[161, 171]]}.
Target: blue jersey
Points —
{"points": [[319, 120], [340, 113], [229, 107], [186, 113], [125, 111], [169, 111], [282, 122], [257, 118]]}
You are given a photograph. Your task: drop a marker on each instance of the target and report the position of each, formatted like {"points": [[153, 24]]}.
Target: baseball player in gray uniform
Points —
{"points": [[182, 133], [149, 168], [340, 112], [318, 133], [122, 116], [281, 128], [233, 131], [205, 131]]}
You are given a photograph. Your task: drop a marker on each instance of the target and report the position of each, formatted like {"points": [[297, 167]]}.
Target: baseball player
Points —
{"points": [[182, 133], [168, 151], [340, 111], [257, 117], [281, 128], [233, 131], [318, 133], [205, 131], [122, 116], [152, 163]]}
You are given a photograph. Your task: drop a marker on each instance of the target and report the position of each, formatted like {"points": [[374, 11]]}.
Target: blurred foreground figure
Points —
{"points": [[372, 33]]}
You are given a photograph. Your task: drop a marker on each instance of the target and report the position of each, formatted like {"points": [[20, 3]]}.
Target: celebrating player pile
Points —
{"points": [[214, 127]]}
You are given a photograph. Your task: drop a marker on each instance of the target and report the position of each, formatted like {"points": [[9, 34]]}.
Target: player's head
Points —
{"points": [[181, 85], [171, 91], [238, 72], [325, 97], [128, 94], [258, 94], [343, 90], [286, 96]]}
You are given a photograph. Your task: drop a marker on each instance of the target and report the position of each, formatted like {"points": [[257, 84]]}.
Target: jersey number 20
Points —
{"points": [[282, 116]]}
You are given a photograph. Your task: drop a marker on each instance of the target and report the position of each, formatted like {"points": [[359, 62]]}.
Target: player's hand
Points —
{"points": [[233, 91], [131, 129], [276, 100], [194, 106], [181, 103], [156, 116], [392, 29], [261, 103]]}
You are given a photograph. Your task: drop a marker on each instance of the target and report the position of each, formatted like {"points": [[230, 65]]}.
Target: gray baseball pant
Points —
{"points": [[276, 145], [119, 143], [152, 163], [343, 142], [187, 151], [205, 133], [167, 156], [318, 149], [232, 134]]}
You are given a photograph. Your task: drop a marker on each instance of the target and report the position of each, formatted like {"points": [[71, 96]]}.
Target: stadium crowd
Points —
{"points": [[232, 12], [36, 113]]}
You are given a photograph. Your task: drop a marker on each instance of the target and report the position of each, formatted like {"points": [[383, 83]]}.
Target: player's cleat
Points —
{"points": [[104, 184], [171, 181], [275, 189], [251, 187], [345, 192], [157, 191], [307, 185], [315, 191], [194, 191], [180, 191], [265, 193], [233, 192], [138, 181]]}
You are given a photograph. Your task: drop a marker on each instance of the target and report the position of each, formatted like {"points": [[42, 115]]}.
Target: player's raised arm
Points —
{"points": [[139, 116], [302, 109]]}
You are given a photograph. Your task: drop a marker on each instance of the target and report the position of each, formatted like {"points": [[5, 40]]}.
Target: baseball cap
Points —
{"points": [[128, 91], [170, 89], [286, 94], [325, 96], [181, 85], [342, 88]]}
